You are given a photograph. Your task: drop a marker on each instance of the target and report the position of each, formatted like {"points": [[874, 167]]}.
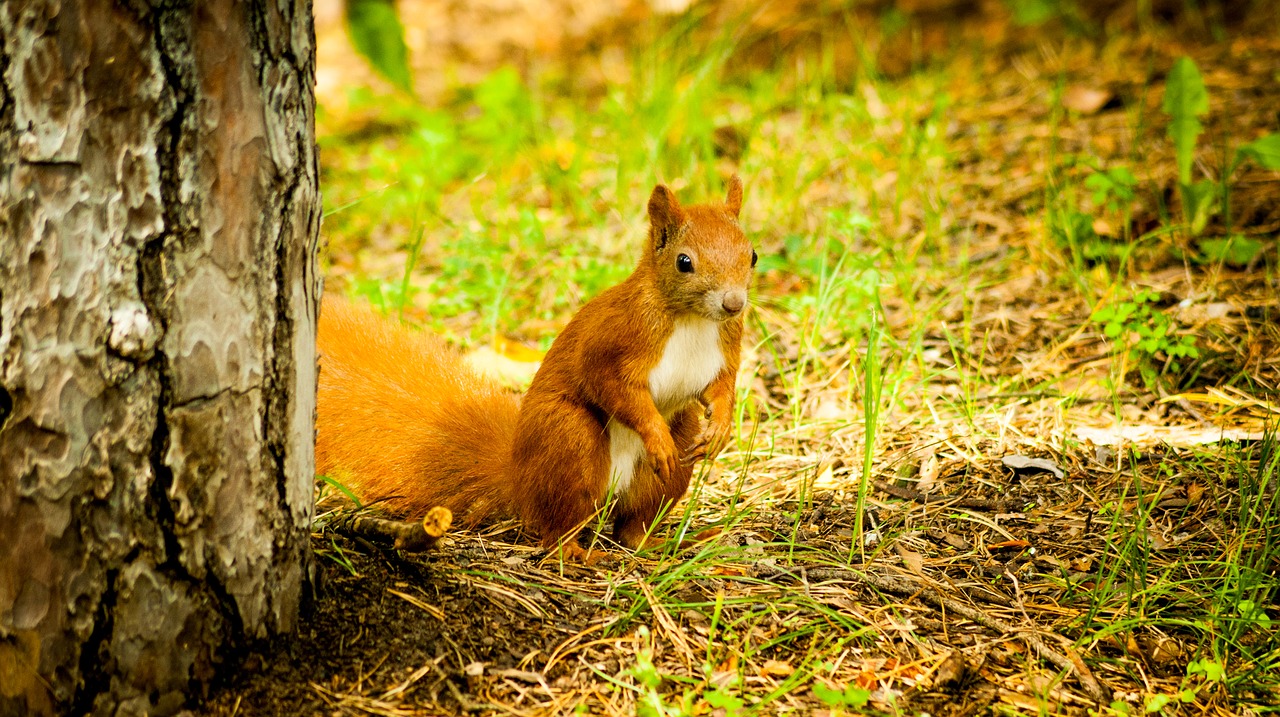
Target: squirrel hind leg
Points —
{"points": [[650, 494], [559, 474], [632, 531]]}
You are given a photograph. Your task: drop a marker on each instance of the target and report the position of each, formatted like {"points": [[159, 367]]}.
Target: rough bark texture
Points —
{"points": [[158, 220]]}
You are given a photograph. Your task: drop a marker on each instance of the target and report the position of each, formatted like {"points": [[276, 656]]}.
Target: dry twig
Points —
{"points": [[413, 536]]}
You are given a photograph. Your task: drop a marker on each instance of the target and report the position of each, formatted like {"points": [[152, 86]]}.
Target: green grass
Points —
{"points": [[893, 318]]}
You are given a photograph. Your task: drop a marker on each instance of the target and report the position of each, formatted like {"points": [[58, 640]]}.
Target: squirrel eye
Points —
{"points": [[684, 263], [753, 258]]}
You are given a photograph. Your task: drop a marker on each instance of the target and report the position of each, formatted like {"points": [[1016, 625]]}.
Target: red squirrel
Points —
{"points": [[616, 407]]}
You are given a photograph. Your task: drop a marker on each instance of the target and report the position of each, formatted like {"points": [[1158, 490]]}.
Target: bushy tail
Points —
{"points": [[401, 419]]}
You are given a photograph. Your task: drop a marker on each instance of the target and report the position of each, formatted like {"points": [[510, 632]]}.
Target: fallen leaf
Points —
{"points": [[876, 107], [501, 367], [1009, 545], [826, 480], [913, 560], [1195, 492], [516, 351], [776, 668], [1104, 228], [867, 680], [670, 7], [998, 224], [1085, 100], [1104, 455], [1167, 651], [1051, 560], [830, 409], [1032, 465], [1024, 702], [723, 678], [693, 617], [1198, 313], [929, 469], [951, 672], [954, 541], [473, 672], [1131, 645]]}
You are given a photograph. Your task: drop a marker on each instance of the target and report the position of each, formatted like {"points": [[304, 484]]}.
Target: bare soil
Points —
{"points": [[984, 575], [491, 627]]}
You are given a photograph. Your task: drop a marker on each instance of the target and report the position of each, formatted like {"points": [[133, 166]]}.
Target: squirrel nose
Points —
{"points": [[733, 301]]}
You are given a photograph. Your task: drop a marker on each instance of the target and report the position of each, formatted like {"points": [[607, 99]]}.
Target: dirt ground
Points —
{"points": [[988, 572], [487, 626]]}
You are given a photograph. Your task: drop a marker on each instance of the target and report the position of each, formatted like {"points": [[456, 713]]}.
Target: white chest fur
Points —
{"points": [[690, 361]]}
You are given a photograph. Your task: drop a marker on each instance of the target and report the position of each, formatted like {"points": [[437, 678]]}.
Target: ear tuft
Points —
{"points": [[665, 215], [733, 198]]}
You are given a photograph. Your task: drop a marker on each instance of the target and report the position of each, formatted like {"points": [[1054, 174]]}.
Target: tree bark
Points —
{"points": [[159, 215]]}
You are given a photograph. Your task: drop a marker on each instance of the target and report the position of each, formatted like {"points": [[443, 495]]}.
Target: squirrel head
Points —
{"points": [[701, 260]]}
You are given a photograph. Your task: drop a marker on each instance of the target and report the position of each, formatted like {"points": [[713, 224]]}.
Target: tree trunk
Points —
{"points": [[159, 215]]}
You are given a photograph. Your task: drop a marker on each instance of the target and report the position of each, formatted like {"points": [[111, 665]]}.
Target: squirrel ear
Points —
{"points": [[665, 215], [733, 200]]}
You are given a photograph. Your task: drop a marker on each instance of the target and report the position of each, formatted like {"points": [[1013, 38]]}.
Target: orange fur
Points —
{"points": [[407, 422]]}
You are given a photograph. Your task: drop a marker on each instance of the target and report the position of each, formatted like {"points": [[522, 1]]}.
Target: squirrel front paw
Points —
{"points": [[661, 448], [713, 438]]}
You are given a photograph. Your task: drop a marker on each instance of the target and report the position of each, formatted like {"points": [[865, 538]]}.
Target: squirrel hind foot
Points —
{"points": [[570, 552]]}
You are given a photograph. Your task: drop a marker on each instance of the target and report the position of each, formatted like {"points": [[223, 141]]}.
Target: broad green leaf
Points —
{"points": [[1033, 12], [1211, 669], [1264, 151], [1185, 99], [376, 33], [1157, 703], [725, 700], [1202, 200], [1097, 180], [855, 696], [829, 696], [1122, 176], [1235, 250], [645, 672]]}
